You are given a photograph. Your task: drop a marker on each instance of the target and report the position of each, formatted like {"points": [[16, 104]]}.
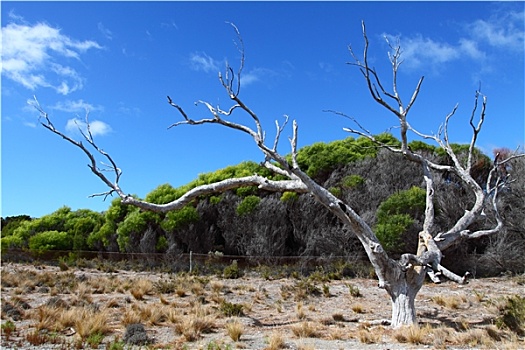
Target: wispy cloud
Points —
{"points": [[502, 31], [478, 42], [97, 127], [418, 50], [172, 24], [108, 34], [75, 106], [30, 56], [257, 75], [203, 62]]}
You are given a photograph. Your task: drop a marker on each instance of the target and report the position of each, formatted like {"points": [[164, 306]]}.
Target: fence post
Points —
{"points": [[191, 260]]}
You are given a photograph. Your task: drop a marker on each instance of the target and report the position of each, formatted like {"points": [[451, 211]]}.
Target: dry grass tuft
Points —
{"points": [[472, 338], [275, 341], [301, 313], [306, 329], [47, 317], [235, 330], [141, 288], [199, 320], [90, 322], [366, 336], [449, 301], [358, 309], [413, 334]]}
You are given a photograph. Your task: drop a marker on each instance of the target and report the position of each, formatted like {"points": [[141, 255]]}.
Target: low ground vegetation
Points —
{"points": [[51, 307]]}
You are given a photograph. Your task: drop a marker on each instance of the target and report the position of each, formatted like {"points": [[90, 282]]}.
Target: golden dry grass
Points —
{"points": [[306, 329], [104, 304], [413, 334], [275, 341], [235, 330]]}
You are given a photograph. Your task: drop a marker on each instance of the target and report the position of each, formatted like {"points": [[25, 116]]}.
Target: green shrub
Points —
{"points": [[179, 218], [229, 309], [246, 191], [390, 230], [50, 240], [232, 271], [512, 314], [396, 214], [289, 196], [336, 191], [11, 242], [215, 199], [353, 181], [162, 244], [417, 146], [321, 157], [248, 205]]}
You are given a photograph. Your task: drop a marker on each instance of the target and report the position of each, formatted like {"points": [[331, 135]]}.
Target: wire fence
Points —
{"points": [[178, 262]]}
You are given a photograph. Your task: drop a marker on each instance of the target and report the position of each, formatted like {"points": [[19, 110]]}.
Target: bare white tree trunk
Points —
{"points": [[401, 279]]}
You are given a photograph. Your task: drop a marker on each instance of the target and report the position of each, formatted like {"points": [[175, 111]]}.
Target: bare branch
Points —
{"points": [[114, 186], [280, 129], [218, 187]]}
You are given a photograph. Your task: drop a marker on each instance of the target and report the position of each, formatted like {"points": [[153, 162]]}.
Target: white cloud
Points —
{"points": [[96, 127], [75, 106], [419, 50], [256, 75], [105, 32], [30, 54], [505, 31], [203, 62], [478, 42]]}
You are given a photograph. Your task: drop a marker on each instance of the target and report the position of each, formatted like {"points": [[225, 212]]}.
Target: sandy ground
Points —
{"points": [[275, 308]]}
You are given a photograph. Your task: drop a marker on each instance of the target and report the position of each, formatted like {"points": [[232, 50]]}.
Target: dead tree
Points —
{"points": [[402, 279]]}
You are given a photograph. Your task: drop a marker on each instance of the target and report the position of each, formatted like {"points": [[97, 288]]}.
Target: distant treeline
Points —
{"points": [[383, 187]]}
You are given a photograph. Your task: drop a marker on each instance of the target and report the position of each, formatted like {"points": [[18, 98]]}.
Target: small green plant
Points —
{"points": [[217, 346], [512, 314], [353, 181], [165, 286], [116, 344], [215, 199], [8, 328], [289, 196], [305, 288], [246, 191], [248, 205], [354, 291], [232, 271], [336, 191], [94, 340], [230, 309], [62, 264], [326, 290]]}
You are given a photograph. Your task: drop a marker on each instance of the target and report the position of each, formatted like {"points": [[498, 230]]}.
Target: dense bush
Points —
{"points": [[248, 205], [50, 240], [396, 214], [175, 220], [76, 225], [319, 159]]}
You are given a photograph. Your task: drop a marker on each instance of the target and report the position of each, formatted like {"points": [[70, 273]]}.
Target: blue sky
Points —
{"points": [[119, 60]]}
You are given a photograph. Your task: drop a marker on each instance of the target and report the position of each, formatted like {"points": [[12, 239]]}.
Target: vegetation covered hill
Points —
{"points": [[383, 187]]}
